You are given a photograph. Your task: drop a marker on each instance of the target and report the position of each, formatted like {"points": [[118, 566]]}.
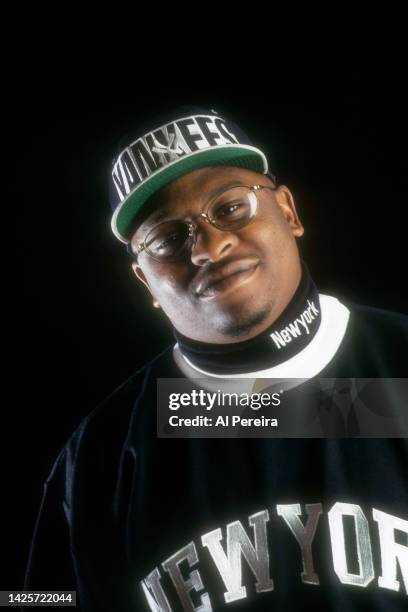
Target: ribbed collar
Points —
{"points": [[289, 334]]}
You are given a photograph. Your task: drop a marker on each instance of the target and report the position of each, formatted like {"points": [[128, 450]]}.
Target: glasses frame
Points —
{"points": [[192, 226]]}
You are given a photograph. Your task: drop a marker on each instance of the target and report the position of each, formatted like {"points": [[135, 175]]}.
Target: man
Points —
{"points": [[133, 521]]}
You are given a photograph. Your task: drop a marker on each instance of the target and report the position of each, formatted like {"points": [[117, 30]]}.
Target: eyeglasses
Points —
{"points": [[230, 211]]}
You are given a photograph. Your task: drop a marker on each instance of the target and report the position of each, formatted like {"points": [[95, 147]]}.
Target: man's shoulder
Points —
{"points": [[377, 320], [109, 421], [374, 345], [94, 450]]}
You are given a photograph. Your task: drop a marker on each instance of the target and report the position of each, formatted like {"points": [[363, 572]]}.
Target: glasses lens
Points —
{"points": [[167, 240], [233, 209]]}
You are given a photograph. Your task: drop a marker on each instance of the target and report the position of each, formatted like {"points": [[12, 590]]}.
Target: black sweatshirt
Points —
{"points": [[133, 522]]}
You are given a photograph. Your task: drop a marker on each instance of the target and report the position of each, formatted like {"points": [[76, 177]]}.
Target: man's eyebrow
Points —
{"points": [[158, 216], [165, 211], [223, 187]]}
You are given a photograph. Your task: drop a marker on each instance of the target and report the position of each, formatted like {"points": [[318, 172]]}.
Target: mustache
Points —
{"points": [[214, 273]]}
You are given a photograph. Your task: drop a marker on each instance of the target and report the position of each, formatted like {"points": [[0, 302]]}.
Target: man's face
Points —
{"points": [[256, 268]]}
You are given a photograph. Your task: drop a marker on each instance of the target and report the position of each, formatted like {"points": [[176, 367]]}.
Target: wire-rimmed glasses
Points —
{"points": [[230, 211]]}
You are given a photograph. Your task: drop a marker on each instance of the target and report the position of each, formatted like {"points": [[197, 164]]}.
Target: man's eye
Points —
{"points": [[168, 240], [228, 209]]}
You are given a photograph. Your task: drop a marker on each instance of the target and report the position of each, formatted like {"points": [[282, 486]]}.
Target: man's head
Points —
{"points": [[200, 188], [229, 285]]}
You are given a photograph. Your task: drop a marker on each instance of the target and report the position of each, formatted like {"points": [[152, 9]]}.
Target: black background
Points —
{"points": [[327, 102]]}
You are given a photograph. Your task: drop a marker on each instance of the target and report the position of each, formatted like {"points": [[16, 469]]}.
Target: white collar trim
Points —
{"points": [[307, 363]]}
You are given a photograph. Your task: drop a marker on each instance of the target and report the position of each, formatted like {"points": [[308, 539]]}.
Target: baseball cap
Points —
{"points": [[168, 147]]}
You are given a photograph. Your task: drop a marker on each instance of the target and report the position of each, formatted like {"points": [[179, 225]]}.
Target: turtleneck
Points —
{"points": [[290, 333]]}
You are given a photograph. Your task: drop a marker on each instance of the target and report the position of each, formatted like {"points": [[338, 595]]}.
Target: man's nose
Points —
{"points": [[211, 243]]}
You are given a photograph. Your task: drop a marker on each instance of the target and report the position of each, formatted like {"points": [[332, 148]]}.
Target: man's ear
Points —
{"points": [[286, 203], [140, 275]]}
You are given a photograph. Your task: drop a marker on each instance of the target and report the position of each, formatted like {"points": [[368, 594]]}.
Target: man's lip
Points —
{"points": [[208, 285]]}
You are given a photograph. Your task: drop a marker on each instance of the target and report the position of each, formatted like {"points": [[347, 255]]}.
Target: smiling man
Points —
{"points": [[244, 240], [133, 521]]}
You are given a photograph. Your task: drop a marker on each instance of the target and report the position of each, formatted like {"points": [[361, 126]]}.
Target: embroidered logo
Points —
{"points": [[168, 143], [287, 334], [173, 148]]}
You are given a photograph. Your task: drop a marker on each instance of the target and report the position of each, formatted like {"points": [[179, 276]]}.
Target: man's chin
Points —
{"points": [[242, 325]]}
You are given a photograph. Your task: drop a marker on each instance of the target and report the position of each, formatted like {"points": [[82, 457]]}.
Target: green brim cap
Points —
{"points": [[168, 152]]}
